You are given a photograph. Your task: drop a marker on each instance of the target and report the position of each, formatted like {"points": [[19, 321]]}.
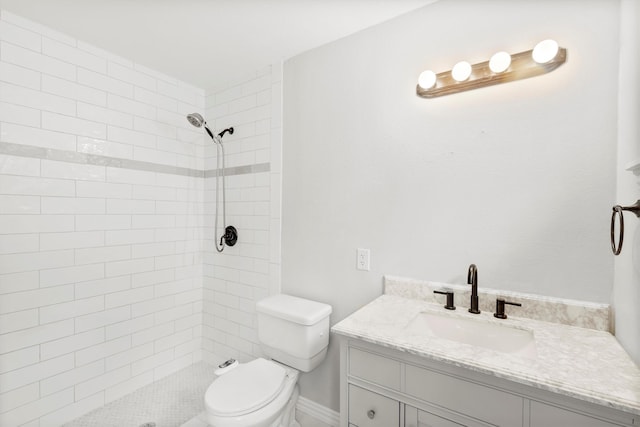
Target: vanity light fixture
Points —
{"points": [[545, 51], [499, 62], [427, 79], [461, 71], [545, 57]]}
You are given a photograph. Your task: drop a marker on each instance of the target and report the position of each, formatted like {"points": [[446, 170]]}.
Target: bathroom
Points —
{"points": [[109, 275]]}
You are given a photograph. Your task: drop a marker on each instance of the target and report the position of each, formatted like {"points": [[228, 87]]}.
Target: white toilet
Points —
{"points": [[294, 333]]}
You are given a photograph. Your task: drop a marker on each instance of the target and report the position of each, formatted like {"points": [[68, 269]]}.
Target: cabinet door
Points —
{"points": [[368, 409], [417, 418], [546, 415]]}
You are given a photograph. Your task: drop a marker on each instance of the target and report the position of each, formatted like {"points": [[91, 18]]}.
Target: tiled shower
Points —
{"points": [[110, 279]]}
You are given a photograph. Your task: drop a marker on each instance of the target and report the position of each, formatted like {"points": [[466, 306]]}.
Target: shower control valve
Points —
{"points": [[230, 236]]}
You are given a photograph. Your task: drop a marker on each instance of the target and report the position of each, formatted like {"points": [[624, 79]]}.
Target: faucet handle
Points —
{"points": [[449, 305], [500, 302]]}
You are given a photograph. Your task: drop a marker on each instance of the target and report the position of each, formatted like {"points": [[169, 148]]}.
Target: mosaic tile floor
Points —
{"points": [[173, 401], [197, 421]]}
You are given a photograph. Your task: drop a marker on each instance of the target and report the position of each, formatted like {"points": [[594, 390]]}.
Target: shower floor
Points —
{"points": [[174, 401]]}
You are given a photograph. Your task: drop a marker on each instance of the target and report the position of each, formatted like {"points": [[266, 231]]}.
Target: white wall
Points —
{"points": [[101, 225], [626, 292], [518, 178], [239, 276]]}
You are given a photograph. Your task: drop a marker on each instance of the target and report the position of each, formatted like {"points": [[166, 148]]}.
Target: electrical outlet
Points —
{"points": [[363, 261]]}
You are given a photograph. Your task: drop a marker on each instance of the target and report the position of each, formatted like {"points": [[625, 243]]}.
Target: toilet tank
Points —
{"points": [[293, 331]]}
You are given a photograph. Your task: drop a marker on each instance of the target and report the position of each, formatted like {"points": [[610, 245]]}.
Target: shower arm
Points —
{"points": [[230, 130], [220, 135]]}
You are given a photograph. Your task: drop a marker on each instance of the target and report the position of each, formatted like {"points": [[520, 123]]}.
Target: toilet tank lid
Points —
{"points": [[294, 309]]}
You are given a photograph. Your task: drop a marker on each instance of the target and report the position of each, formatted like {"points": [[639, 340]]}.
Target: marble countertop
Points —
{"points": [[586, 364]]}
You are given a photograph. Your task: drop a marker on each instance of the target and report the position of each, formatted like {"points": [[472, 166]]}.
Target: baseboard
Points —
{"points": [[319, 412]]}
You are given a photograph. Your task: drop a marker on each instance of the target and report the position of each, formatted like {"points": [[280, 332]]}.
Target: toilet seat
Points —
{"points": [[246, 388]]}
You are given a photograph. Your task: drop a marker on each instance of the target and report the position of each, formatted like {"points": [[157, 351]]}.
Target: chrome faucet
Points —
{"points": [[472, 279]]}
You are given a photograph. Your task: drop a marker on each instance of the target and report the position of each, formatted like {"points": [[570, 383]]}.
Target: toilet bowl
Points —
{"points": [[292, 331], [261, 393]]}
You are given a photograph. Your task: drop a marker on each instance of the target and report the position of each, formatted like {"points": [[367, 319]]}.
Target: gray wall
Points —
{"points": [[626, 292], [517, 178]]}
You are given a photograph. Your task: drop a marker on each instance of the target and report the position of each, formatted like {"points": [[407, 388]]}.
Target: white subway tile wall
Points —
{"points": [[109, 278], [100, 266], [241, 275]]}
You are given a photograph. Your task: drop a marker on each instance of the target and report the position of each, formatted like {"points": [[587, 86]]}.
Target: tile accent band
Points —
{"points": [[21, 150], [240, 170]]}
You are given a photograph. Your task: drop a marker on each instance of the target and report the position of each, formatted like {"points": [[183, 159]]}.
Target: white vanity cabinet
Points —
{"points": [[382, 387]]}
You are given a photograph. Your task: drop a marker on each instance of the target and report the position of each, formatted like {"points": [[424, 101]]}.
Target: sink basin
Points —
{"points": [[479, 333]]}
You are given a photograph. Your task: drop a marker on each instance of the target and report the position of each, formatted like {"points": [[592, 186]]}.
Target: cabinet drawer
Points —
{"points": [[471, 399], [546, 415], [374, 368], [417, 418], [426, 419], [368, 409]]}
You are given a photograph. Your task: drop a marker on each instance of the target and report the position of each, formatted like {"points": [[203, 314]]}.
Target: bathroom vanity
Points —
{"points": [[408, 362]]}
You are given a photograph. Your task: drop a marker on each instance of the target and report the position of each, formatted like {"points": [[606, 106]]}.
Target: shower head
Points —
{"points": [[196, 119]]}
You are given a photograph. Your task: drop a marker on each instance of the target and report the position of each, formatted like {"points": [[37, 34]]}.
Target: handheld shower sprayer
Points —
{"points": [[230, 236], [198, 121]]}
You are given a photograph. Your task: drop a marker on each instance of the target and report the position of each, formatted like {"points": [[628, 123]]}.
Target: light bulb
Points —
{"points": [[545, 51], [461, 71], [499, 62], [427, 79]]}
